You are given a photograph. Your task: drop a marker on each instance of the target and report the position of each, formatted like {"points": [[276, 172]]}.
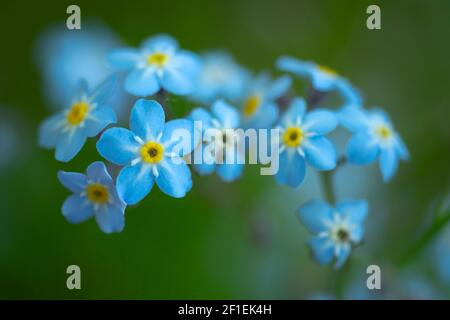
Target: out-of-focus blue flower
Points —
{"points": [[212, 153], [94, 194], [259, 109], [64, 56], [373, 137], [150, 152], [302, 139], [322, 79], [158, 64], [220, 78], [441, 256], [85, 117], [335, 230]]}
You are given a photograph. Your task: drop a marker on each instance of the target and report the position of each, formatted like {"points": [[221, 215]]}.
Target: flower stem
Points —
{"points": [[327, 187]]}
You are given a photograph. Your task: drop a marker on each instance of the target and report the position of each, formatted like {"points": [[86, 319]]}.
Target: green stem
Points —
{"points": [[327, 187]]}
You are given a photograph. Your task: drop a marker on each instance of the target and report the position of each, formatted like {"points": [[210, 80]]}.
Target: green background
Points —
{"points": [[238, 240]]}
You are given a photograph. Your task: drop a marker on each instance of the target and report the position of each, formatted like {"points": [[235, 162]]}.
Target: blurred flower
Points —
{"points": [[220, 78], [149, 153], [85, 117], [224, 119], [335, 230], [323, 79], [373, 137], [159, 63], [441, 256], [302, 138], [94, 194], [13, 143], [260, 109]]}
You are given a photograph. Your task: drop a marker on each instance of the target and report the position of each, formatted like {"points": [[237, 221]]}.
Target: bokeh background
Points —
{"points": [[238, 240]]}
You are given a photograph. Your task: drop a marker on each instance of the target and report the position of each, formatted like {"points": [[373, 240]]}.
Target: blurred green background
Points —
{"points": [[238, 240]]}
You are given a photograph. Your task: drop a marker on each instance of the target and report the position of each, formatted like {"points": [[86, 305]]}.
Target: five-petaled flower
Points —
{"points": [[302, 138], [373, 137], [158, 64], [86, 117], [152, 151], [94, 194], [335, 230], [218, 149]]}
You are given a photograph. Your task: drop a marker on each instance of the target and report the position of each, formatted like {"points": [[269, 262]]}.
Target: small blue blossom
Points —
{"points": [[94, 194], [302, 139], [220, 78], [85, 117], [335, 230], [158, 64], [322, 78], [440, 254], [223, 120], [150, 152], [259, 109], [373, 137]]}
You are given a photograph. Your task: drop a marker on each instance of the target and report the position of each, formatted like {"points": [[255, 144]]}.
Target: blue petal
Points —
{"points": [[50, 130], [111, 219], [378, 113], [316, 215], [357, 233], [320, 153], [179, 136], [134, 183], [177, 81], [97, 172], [98, 119], [74, 181], [322, 249], [279, 87], [147, 119], [229, 172], [142, 82], [400, 148], [388, 163], [292, 169], [202, 166], [351, 95], [118, 145], [174, 179], [362, 149], [320, 121], [77, 209], [264, 118], [187, 63], [353, 118], [295, 111], [69, 145], [160, 42], [355, 210], [226, 114], [123, 59], [296, 66], [342, 256], [201, 114], [104, 90]]}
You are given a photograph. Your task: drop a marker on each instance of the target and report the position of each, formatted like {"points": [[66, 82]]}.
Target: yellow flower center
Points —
{"points": [[293, 137], [328, 71], [158, 59], [77, 113], [383, 132], [251, 105], [97, 193], [152, 152]]}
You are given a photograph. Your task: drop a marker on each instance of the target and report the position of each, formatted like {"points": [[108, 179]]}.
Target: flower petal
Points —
{"points": [[316, 215], [292, 169], [147, 119], [279, 87], [355, 210], [77, 209], [177, 81], [69, 145], [50, 130], [104, 90], [320, 121], [342, 256], [118, 145], [134, 183], [322, 249], [201, 114], [179, 135], [353, 118], [295, 111], [98, 120], [174, 179], [229, 172], [400, 147], [226, 114], [142, 82], [362, 149], [97, 172], [123, 59], [74, 181], [320, 153], [111, 219], [160, 42], [388, 163]]}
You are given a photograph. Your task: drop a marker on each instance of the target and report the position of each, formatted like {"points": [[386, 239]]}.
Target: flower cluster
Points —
{"points": [[230, 98]]}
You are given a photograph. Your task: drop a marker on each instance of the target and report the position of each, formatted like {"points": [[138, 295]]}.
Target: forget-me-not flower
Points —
{"points": [[158, 64], [84, 118], [373, 137], [259, 108], [211, 154], [335, 230], [94, 194], [151, 151], [302, 140], [220, 78]]}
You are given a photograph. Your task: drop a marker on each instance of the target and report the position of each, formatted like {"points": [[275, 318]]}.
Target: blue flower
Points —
{"points": [[259, 109], [335, 230], [150, 152], [373, 137], [220, 78], [158, 64], [218, 150], [85, 117], [440, 253], [94, 194], [322, 78], [302, 139]]}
